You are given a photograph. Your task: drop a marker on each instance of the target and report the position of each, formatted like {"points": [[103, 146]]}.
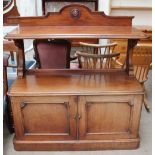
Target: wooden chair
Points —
{"points": [[142, 62], [5, 65], [97, 48], [52, 54], [10, 48], [7, 106], [96, 61]]}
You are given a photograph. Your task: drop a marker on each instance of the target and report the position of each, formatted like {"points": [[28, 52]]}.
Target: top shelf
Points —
{"points": [[75, 21], [72, 82], [53, 32]]}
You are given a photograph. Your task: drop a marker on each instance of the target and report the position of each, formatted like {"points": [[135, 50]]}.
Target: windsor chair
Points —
{"points": [[142, 62], [96, 61]]}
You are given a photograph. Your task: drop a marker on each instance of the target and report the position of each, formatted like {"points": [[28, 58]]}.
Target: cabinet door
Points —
{"points": [[45, 118], [109, 117]]}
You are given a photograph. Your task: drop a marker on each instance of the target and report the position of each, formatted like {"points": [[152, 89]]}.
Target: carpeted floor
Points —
{"points": [[145, 134]]}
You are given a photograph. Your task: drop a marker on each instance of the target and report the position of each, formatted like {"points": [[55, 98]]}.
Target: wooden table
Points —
{"points": [[76, 109]]}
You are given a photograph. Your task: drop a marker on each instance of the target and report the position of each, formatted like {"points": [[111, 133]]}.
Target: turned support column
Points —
{"points": [[20, 58], [129, 65]]}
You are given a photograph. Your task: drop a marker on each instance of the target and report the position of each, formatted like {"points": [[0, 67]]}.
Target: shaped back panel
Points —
{"points": [[74, 15]]}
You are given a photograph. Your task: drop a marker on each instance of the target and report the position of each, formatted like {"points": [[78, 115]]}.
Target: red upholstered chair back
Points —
{"points": [[5, 59], [52, 54]]}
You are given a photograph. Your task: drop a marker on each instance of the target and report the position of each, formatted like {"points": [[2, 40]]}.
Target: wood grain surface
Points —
{"points": [[101, 83], [75, 32]]}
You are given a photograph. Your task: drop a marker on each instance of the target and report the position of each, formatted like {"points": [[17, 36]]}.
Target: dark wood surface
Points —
{"points": [[85, 24], [105, 32], [73, 83], [68, 24], [76, 109], [87, 111], [13, 12], [74, 15], [9, 46], [75, 42]]}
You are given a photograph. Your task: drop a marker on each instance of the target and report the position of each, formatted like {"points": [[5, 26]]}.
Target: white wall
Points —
{"points": [[131, 3], [29, 7], [142, 17], [104, 5], [56, 6]]}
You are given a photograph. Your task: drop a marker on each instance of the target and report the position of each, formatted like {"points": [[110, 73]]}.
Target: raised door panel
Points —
{"points": [[109, 117], [47, 118]]}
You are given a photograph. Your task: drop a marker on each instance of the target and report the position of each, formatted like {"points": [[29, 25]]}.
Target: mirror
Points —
{"points": [[9, 9], [7, 4], [56, 5]]}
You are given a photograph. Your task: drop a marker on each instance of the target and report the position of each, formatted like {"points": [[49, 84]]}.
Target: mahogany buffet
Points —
{"points": [[79, 109]]}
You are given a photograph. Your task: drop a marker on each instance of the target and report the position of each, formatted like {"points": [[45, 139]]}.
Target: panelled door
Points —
{"points": [[63, 118], [109, 117], [45, 118]]}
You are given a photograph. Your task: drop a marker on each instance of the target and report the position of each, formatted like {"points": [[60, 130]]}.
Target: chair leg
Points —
{"points": [[8, 123], [12, 56], [9, 117]]}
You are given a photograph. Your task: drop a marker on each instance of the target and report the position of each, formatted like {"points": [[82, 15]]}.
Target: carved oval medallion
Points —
{"points": [[75, 13]]}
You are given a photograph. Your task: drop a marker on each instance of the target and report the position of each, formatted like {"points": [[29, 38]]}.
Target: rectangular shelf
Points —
{"points": [[72, 83]]}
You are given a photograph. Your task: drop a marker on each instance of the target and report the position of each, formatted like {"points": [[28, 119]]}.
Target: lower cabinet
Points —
{"points": [[76, 122]]}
